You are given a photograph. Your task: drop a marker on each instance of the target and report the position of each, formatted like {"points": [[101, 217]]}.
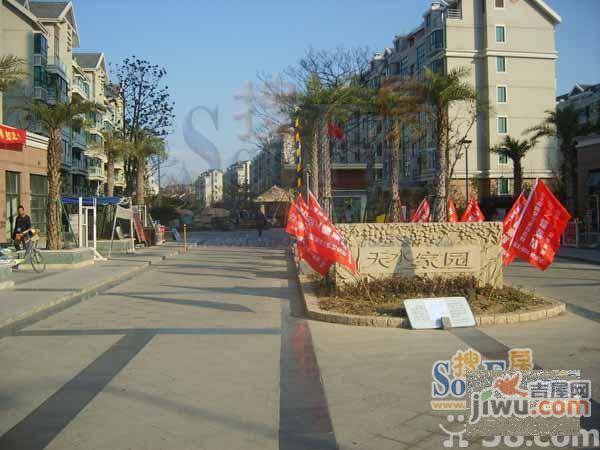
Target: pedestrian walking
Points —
{"points": [[261, 221]]}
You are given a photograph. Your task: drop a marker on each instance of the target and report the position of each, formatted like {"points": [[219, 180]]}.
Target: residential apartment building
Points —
{"points": [[44, 34], [236, 180], [209, 188], [585, 99], [274, 164], [509, 47]]}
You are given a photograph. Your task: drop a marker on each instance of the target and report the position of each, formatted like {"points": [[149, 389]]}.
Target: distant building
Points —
{"points": [[585, 99], [274, 165], [236, 181], [209, 188]]}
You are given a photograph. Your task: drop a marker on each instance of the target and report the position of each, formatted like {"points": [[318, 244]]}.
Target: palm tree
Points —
{"points": [[12, 69], [116, 145], [434, 95], [53, 119], [516, 151], [563, 124], [145, 146]]}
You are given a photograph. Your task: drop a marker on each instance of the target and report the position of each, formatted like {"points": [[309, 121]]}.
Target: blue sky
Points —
{"points": [[211, 49]]}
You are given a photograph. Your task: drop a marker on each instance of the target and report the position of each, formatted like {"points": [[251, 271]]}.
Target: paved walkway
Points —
{"points": [[591, 255], [36, 294], [210, 351]]}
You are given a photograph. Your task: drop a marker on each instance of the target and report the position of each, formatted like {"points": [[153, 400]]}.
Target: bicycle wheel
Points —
{"points": [[37, 261]]}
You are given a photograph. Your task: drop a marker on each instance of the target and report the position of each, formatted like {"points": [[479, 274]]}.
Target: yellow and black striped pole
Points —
{"points": [[298, 156]]}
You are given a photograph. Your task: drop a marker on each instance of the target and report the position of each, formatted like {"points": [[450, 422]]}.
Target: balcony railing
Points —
{"points": [[79, 164], [67, 158], [96, 172], [40, 93], [454, 13], [55, 63]]}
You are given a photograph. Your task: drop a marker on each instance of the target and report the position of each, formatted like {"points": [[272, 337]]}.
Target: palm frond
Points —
{"points": [[12, 69]]}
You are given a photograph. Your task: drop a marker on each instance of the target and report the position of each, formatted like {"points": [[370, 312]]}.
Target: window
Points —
{"points": [[500, 34], [501, 64], [39, 197], [502, 125], [499, 4], [502, 94], [13, 197], [502, 158], [428, 20], [404, 66], [39, 77], [437, 66], [503, 186], [436, 40], [420, 57], [40, 44]]}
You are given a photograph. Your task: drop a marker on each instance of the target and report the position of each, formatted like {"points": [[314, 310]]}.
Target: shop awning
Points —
{"points": [[89, 201]]}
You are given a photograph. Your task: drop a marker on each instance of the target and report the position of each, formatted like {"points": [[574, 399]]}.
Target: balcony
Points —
{"points": [[40, 60], [67, 159], [78, 88], [79, 140], [96, 173], [454, 13], [55, 65], [40, 93], [79, 165], [119, 179]]}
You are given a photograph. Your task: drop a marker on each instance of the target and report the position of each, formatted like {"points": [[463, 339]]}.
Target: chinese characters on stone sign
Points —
{"points": [[388, 260]]}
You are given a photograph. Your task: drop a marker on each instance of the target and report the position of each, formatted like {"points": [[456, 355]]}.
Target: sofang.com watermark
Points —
{"points": [[543, 398], [514, 408]]}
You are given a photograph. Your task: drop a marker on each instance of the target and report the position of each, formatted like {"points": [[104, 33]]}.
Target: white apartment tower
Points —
{"points": [[509, 47]]}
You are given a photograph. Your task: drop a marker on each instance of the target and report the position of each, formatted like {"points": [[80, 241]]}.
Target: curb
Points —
{"points": [[14, 324], [314, 311]]}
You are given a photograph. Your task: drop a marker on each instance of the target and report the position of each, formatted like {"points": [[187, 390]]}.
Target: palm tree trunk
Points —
{"points": [[325, 189], [141, 173], [54, 160], [440, 201], [314, 160], [395, 174], [518, 177], [110, 176]]}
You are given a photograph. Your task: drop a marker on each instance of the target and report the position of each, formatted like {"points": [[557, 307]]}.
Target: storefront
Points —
{"points": [[23, 181]]}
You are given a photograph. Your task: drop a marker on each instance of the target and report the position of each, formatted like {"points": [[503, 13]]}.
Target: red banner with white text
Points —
{"points": [[12, 136]]}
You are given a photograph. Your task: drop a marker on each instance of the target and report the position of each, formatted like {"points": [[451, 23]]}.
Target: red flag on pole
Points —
{"points": [[336, 132], [509, 225], [472, 213], [313, 259], [326, 238], [319, 243], [423, 213], [537, 235], [452, 214]]}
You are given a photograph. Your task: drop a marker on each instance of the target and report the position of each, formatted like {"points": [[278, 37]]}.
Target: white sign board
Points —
{"points": [[428, 312]]}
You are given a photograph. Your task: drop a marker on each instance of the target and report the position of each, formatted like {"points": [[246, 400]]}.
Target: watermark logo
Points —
{"points": [[448, 388]]}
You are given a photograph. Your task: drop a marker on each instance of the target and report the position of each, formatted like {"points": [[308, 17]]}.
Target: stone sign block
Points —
{"points": [[430, 249]]}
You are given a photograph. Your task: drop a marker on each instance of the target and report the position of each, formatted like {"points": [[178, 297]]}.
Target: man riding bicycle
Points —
{"points": [[22, 228]]}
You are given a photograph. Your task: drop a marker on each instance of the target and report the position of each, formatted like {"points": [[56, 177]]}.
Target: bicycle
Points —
{"points": [[33, 254]]}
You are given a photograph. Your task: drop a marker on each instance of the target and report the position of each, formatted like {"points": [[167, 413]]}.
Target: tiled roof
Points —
{"points": [[47, 10], [87, 60]]}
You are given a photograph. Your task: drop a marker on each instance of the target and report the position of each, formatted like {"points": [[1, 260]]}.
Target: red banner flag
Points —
{"points": [[295, 224], [10, 135], [509, 225], [472, 213], [314, 260], [336, 132], [452, 213], [537, 235], [423, 213]]}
